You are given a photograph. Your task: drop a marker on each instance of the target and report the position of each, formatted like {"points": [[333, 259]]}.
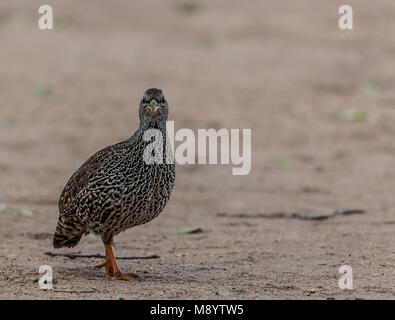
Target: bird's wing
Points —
{"points": [[80, 179]]}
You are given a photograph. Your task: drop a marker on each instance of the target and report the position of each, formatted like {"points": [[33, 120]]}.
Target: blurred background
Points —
{"points": [[321, 105]]}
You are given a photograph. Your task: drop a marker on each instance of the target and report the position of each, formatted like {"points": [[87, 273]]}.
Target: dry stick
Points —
{"points": [[75, 291], [302, 216], [74, 256]]}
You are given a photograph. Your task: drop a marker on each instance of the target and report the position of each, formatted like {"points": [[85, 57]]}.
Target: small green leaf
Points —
{"points": [[352, 115], [287, 164], [42, 91], [370, 87], [3, 206], [6, 123], [190, 230], [18, 21], [223, 294], [59, 23], [26, 213]]}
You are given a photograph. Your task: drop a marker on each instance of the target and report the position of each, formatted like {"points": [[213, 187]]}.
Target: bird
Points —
{"points": [[120, 186]]}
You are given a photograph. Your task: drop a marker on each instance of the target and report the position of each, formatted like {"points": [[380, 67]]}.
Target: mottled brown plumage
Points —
{"points": [[117, 188]]}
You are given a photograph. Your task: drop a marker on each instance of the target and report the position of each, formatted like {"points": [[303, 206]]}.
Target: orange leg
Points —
{"points": [[112, 269]]}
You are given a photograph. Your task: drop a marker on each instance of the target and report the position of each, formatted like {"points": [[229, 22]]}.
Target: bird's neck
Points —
{"points": [[144, 137], [153, 124], [146, 126]]}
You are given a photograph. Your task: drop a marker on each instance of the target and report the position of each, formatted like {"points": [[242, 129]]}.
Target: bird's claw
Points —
{"points": [[123, 276], [116, 275]]}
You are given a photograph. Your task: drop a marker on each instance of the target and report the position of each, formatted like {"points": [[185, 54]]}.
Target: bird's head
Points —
{"points": [[153, 106]]}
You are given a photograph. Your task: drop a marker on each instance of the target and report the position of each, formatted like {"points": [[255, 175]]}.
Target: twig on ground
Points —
{"points": [[75, 291], [303, 216], [75, 256]]}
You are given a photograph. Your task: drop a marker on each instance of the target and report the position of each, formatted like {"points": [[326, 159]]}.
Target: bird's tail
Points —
{"points": [[68, 233]]}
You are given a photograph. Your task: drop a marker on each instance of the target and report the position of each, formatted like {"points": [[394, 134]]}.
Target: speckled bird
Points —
{"points": [[121, 186]]}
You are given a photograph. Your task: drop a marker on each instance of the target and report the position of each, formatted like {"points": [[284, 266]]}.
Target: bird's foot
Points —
{"points": [[123, 276], [114, 273]]}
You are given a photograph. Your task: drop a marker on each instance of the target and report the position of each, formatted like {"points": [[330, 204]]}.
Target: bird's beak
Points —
{"points": [[153, 109], [153, 106]]}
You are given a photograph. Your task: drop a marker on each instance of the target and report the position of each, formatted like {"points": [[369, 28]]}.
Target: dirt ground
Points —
{"points": [[281, 68]]}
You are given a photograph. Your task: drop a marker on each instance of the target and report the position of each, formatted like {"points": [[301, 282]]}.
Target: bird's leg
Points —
{"points": [[111, 266]]}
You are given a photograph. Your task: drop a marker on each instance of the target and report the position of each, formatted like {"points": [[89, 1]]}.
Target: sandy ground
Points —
{"points": [[281, 68]]}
